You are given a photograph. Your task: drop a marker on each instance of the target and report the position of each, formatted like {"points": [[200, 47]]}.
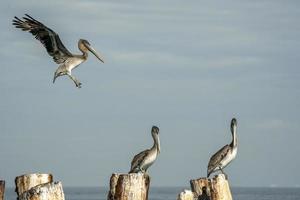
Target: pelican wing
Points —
{"points": [[46, 36], [217, 158], [138, 159]]}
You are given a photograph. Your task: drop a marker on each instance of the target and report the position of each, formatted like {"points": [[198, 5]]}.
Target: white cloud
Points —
{"points": [[270, 125]]}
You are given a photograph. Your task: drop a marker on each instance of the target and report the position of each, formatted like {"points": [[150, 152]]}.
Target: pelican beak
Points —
{"points": [[55, 76], [158, 144], [91, 49]]}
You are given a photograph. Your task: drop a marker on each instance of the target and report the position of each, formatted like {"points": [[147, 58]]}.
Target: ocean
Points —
{"points": [[170, 193]]}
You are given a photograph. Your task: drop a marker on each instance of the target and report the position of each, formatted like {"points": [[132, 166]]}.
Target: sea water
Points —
{"points": [[170, 193]]}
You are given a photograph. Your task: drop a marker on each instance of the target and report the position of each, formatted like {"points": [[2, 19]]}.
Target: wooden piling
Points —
{"points": [[220, 189], [133, 186], [186, 195], [2, 189], [46, 191], [216, 188], [27, 181], [197, 186]]}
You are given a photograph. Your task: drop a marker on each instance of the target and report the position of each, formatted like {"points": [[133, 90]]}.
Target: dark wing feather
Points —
{"points": [[46, 36], [217, 158], [136, 161]]}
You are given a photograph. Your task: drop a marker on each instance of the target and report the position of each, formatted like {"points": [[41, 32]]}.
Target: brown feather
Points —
{"points": [[46, 36], [137, 160], [217, 158]]}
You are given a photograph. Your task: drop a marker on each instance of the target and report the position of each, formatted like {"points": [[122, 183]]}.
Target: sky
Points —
{"points": [[187, 67]]}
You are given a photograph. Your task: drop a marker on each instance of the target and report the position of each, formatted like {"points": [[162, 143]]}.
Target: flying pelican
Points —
{"points": [[142, 161], [55, 47], [225, 155]]}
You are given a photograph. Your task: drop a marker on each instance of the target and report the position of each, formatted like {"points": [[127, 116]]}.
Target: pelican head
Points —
{"points": [[154, 132], [233, 125], [85, 46], [59, 72]]}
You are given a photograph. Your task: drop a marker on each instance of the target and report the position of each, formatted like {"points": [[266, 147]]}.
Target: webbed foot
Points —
{"points": [[226, 177], [78, 84]]}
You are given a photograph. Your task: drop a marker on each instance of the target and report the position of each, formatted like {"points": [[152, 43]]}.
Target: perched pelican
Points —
{"points": [[225, 155], [142, 161], [55, 47]]}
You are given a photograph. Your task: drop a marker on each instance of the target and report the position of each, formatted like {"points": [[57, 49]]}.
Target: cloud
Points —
{"points": [[273, 125], [159, 59], [186, 65]]}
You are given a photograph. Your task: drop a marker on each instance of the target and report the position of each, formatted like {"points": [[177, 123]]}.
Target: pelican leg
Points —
{"points": [[226, 177], [141, 170], [77, 83]]}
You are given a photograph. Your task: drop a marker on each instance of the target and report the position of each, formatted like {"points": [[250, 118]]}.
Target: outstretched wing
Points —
{"points": [[46, 36], [137, 160], [217, 158]]}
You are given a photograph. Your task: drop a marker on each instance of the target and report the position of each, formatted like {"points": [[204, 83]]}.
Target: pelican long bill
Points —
{"points": [[91, 49], [54, 78], [158, 144], [55, 48]]}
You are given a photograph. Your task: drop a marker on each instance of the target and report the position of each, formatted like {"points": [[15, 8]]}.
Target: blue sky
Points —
{"points": [[187, 67]]}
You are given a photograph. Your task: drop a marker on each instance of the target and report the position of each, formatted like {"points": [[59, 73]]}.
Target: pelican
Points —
{"points": [[142, 161], [225, 155], [55, 47]]}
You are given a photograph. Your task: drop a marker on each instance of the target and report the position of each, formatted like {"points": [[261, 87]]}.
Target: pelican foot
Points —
{"points": [[78, 84], [226, 176]]}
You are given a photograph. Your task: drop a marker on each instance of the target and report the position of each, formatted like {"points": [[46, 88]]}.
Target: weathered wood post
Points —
{"points": [[198, 185], [27, 181], [186, 195], [133, 186], [47, 191], [216, 188], [220, 189], [38, 187], [2, 189]]}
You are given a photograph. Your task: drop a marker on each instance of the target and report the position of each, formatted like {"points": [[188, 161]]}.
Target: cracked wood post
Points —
{"points": [[133, 186], [27, 181], [2, 189], [217, 188], [198, 184], [186, 195], [46, 191]]}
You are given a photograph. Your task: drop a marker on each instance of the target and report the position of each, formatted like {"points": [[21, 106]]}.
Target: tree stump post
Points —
{"points": [[220, 189], [216, 188], [46, 191], [197, 186], [27, 181], [2, 189], [133, 186], [186, 195]]}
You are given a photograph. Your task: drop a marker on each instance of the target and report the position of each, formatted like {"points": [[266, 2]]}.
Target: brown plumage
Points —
{"points": [[55, 47], [46, 36], [226, 154], [217, 158], [142, 161]]}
